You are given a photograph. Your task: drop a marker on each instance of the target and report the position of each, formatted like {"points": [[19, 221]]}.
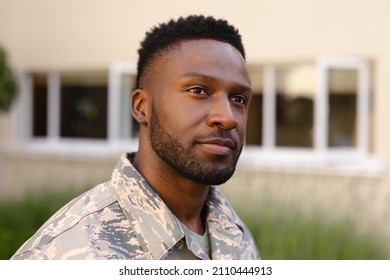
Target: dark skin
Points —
{"points": [[197, 90]]}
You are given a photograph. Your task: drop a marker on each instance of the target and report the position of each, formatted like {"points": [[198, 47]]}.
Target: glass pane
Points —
{"points": [[254, 130], [39, 103], [295, 88], [84, 105], [342, 107]]}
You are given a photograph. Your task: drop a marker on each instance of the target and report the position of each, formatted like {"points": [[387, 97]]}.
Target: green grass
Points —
{"points": [[279, 234]]}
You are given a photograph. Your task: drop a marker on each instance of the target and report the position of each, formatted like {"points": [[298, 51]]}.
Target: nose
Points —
{"points": [[221, 114]]}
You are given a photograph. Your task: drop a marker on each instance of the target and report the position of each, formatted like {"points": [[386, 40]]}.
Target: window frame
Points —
{"points": [[53, 142], [319, 157], [362, 110]]}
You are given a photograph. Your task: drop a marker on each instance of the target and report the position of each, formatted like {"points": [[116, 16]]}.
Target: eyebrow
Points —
{"points": [[198, 75], [241, 88]]}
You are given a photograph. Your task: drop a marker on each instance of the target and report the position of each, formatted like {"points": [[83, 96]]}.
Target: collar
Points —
{"points": [[158, 229]]}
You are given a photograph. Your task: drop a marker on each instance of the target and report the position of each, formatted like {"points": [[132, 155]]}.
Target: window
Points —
{"points": [[344, 109], [77, 111], [294, 102], [83, 105], [320, 107], [39, 105], [342, 92]]}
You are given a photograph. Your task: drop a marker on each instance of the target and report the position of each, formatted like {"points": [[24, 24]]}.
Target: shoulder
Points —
{"points": [[90, 207]]}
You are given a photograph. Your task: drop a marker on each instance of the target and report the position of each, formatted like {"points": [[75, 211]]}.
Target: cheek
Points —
{"points": [[241, 126], [181, 115], [174, 120]]}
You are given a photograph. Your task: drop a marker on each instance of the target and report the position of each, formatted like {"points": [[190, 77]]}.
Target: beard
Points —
{"points": [[183, 158]]}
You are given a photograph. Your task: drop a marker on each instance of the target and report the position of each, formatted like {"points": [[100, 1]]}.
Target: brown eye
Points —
{"points": [[239, 99], [197, 90]]}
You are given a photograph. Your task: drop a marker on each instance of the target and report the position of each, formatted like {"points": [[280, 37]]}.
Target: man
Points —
{"points": [[191, 101]]}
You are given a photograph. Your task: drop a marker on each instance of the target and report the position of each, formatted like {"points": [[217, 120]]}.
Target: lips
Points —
{"points": [[219, 141], [219, 146]]}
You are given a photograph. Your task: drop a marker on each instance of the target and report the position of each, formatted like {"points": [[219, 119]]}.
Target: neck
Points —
{"points": [[183, 197]]}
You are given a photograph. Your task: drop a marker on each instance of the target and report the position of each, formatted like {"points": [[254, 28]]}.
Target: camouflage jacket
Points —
{"points": [[124, 218]]}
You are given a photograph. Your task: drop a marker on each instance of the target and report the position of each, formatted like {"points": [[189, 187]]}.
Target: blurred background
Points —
{"points": [[312, 182]]}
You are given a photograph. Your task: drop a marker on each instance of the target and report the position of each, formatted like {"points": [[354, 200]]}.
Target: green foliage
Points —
{"points": [[280, 234], [8, 85], [287, 235]]}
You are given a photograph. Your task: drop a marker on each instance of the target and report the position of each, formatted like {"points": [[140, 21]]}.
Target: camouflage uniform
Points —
{"points": [[124, 218]]}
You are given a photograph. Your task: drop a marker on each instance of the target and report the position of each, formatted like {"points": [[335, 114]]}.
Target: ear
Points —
{"points": [[140, 106]]}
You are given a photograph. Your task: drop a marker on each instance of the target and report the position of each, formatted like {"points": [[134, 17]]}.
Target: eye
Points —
{"points": [[198, 90], [239, 99]]}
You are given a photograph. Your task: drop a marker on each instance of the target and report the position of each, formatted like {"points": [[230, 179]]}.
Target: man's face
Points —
{"points": [[200, 96]]}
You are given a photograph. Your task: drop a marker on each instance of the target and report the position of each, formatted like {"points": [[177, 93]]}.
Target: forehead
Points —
{"points": [[207, 57]]}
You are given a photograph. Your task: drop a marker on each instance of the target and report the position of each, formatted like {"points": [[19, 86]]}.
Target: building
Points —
{"points": [[317, 130]]}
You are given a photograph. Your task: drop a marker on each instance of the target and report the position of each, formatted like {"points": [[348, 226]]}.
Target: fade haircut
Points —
{"points": [[167, 35]]}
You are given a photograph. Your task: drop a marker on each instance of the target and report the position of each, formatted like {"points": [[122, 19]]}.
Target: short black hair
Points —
{"points": [[192, 27]]}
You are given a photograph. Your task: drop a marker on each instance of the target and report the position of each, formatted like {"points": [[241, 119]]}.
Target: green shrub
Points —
{"points": [[8, 84]]}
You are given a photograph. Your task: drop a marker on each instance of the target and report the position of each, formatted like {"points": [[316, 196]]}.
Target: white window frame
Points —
{"points": [[53, 143], [363, 105], [320, 157]]}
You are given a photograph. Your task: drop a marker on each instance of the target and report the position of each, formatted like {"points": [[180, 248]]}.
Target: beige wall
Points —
{"points": [[46, 33], [23, 173]]}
